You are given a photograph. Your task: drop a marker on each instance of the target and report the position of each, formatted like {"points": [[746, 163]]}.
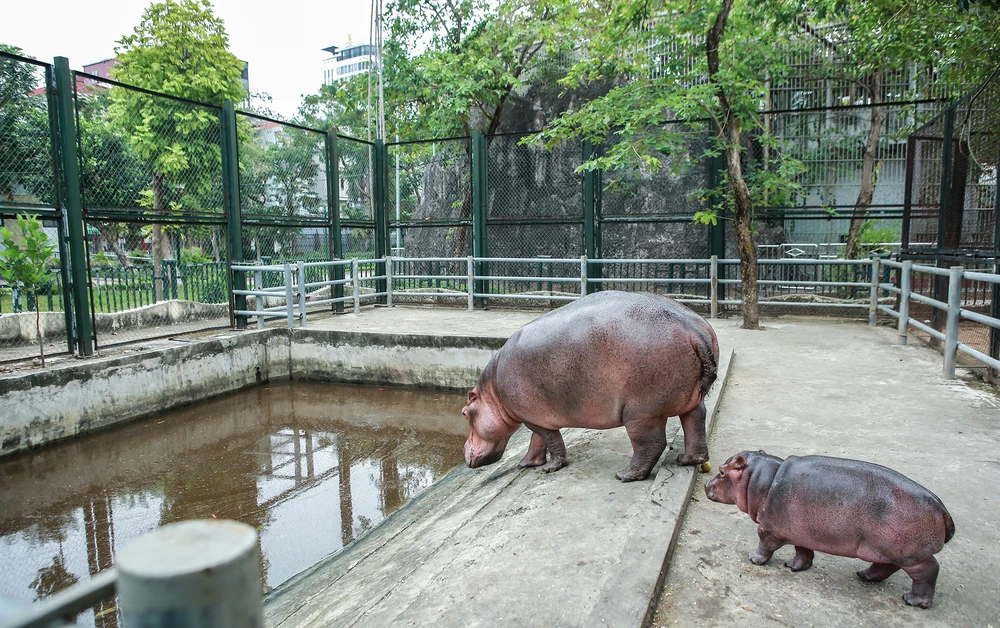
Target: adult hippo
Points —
{"points": [[609, 359]]}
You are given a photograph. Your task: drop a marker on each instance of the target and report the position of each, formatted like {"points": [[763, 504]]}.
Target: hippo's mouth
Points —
{"points": [[485, 459]]}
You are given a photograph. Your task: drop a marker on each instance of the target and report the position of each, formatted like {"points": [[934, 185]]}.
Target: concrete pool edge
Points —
{"points": [[394, 573], [54, 405]]}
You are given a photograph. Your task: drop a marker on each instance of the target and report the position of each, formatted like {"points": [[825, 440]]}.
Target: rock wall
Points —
{"points": [[529, 182]]}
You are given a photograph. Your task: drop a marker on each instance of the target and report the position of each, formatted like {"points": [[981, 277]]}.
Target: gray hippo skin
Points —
{"points": [[841, 507], [609, 359]]}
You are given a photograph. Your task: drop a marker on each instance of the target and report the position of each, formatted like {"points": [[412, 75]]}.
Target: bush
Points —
{"points": [[194, 255]]}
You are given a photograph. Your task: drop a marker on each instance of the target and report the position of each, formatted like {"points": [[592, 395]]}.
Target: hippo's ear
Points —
{"points": [[473, 395], [738, 463]]}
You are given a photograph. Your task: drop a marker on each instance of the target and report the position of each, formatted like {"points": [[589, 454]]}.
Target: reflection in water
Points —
{"points": [[310, 466]]}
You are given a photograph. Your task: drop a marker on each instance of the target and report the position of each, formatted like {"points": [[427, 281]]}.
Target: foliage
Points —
{"points": [[25, 153], [194, 255], [25, 263]]}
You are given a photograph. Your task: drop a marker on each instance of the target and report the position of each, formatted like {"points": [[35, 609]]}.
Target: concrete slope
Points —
{"points": [[500, 545]]}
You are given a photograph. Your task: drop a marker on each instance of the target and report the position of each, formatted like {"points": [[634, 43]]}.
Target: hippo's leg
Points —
{"points": [[536, 452], [649, 439], [695, 447], [878, 572], [924, 577], [553, 442], [803, 559], [768, 545]]}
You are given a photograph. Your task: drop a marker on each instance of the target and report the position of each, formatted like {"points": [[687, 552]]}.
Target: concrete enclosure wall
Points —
{"points": [[48, 406]]}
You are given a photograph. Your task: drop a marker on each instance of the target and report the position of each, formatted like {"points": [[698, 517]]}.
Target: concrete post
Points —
{"points": [[355, 290], [302, 293], [289, 297], [714, 276], [203, 573], [583, 275], [954, 318], [873, 304], [388, 279], [471, 280], [904, 300], [258, 282]]}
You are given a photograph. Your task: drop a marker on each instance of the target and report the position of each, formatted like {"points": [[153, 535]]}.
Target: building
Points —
{"points": [[347, 61], [103, 69]]}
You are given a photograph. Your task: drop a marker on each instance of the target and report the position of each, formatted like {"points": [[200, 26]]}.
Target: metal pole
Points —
{"points": [[479, 183], [258, 300], [470, 281], [333, 200], [873, 304], [583, 275], [73, 207], [904, 300], [399, 232], [203, 573], [388, 280], [355, 290], [289, 298], [231, 205], [714, 276], [302, 293], [381, 215], [954, 312]]}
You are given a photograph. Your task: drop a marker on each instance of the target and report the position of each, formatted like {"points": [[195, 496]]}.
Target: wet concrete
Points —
{"points": [[312, 466]]}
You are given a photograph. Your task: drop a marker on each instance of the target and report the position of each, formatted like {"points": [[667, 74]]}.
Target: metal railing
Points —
{"points": [[782, 275], [294, 288], [224, 571], [952, 308]]}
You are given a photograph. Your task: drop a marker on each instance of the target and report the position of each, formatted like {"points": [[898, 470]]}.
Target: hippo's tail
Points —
{"points": [[707, 349], [949, 527]]}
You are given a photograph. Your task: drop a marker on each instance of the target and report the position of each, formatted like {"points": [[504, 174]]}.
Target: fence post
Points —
{"points": [[258, 300], [302, 293], [904, 300], [231, 206], [388, 280], [381, 180], [954, 319], [583, 275], [73, 207], [194, 573], [479, 183], [591, 224], [714, 276], [289, 297], [355, 289], [470, 280], [335, 240], [873, 305]]}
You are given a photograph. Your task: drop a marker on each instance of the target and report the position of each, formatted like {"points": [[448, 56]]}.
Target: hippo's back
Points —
{"points": [[592, 357], [847, 507]]}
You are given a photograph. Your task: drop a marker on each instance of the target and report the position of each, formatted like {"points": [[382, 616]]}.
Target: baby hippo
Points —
{"points": [[841, 507]]}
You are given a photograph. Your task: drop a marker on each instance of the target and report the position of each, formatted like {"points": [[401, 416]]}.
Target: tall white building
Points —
{"points": [[347, 61]]}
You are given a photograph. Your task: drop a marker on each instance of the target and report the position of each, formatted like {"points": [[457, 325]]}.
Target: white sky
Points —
{"points": [[282, 41]]}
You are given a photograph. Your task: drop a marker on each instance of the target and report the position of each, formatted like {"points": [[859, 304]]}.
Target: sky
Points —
{"points": [[282, 41]]}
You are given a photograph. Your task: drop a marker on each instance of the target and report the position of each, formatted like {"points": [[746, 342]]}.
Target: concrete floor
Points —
{"points": [[843, 389]]}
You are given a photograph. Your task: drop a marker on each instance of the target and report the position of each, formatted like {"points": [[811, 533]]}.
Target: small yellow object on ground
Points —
{"points": [[706, 467]]}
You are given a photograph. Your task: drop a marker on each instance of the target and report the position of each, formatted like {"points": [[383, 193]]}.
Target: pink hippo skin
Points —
{"points": [[841, 507], [609, 359]]}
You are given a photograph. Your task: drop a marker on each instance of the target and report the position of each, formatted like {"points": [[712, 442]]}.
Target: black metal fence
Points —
{"points": [[158, 196]]}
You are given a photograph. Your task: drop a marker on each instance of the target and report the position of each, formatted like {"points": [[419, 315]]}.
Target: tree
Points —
{"points": [[179, 48], [25, 263], [874, 39], [703, 66], [25, 157]]}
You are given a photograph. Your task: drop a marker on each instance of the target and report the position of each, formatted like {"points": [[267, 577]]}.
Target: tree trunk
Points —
{"points": [[160, 246], [460, 247], [38, 329], [730, 134], [112, 239], [867, 167]]}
